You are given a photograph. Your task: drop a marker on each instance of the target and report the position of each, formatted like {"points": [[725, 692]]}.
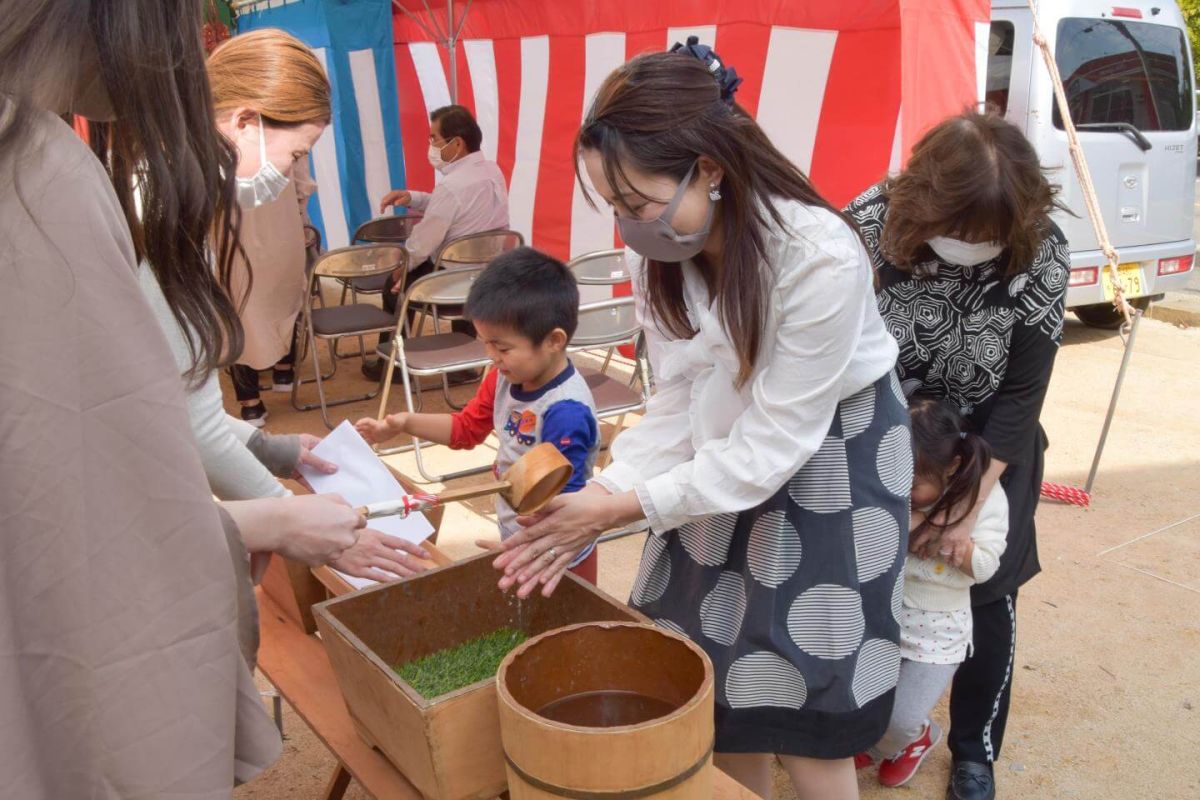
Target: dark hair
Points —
{"points": [[457, 121], [150, 60], [659, 113], [939, 436], [974, 176], [528, 291]]}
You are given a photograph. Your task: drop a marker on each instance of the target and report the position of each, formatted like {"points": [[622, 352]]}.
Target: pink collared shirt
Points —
{"points": [[471, 198]]}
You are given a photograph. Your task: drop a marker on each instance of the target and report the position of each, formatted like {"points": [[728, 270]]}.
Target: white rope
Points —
{"points": [[1081, 169]]}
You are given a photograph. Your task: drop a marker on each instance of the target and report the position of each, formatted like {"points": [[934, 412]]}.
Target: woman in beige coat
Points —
{"points": [[122, 673], [272, 101]]}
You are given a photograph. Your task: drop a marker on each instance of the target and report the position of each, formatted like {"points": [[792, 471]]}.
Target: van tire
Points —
{"points": [[1104, 316]]}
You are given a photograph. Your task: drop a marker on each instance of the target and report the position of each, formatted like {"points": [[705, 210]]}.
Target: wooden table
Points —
{"points": [[295, 662]]}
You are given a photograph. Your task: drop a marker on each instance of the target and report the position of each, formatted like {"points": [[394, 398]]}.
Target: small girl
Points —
{"points": [[935, 620]]}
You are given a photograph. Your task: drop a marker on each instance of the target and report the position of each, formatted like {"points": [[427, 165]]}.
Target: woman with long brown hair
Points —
{"points": [[272, 102], [773, 463], [972, 282], [121, 673]]}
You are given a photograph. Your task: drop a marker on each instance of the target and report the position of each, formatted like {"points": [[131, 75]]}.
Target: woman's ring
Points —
{"points": [[553, 553]]}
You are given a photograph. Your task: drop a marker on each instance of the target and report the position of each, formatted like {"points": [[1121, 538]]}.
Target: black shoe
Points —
{"points": [[373, 370], [281, 380], [256, 414], [970, 780]]}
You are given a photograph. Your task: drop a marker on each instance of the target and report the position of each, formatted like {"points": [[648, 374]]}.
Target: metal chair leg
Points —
{"points": [[417, 443], [607, 360], [323, 402], [605, 457], [446, 393]]}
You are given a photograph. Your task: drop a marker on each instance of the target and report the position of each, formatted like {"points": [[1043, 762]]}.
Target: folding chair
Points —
{"points": [[388, 229], [609, 324], [601, 268], [337, 322], [476, 249], [436, 355]]}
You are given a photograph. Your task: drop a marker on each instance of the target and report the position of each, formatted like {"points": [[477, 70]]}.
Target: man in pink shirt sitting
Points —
{"points": [[470, 198]]}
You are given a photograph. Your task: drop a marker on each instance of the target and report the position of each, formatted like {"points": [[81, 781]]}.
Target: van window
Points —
{"points": [[999, 65], [1116, 71]]}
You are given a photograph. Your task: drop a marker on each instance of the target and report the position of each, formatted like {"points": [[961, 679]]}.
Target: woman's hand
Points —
{"points": [[316, 528], [310, 459], [380, 557], [538, 556]]}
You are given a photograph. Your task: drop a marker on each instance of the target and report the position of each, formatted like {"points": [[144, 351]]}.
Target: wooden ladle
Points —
{"points": [[533, 480]]}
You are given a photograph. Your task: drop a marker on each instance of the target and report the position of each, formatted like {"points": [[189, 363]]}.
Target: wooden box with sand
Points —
{"points": [[448, 745]]}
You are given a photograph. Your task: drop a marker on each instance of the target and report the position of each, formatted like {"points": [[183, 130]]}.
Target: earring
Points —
{"points": [[714, 193]]}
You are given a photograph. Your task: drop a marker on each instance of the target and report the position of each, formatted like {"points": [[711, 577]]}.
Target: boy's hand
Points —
{"points": [[375, 431]]}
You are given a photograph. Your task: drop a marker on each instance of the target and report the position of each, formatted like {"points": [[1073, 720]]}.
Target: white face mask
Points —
{"points": [[265, 185], [964, 254], [435, 157]]}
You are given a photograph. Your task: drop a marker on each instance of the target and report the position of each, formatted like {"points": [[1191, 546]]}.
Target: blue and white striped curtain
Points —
{"points": [[359, 158]]}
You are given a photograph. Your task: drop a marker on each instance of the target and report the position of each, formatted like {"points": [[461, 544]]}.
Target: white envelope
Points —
{"points": [[362, 478]]}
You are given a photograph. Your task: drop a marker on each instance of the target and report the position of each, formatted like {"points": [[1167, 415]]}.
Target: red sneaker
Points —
{"points": [[898, 771], [863, 760]]}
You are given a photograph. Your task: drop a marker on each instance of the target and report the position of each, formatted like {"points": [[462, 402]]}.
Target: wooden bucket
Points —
{"points": [[645, 696]]}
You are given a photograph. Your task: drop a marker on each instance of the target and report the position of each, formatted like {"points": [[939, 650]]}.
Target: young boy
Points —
{"points": [[525, 307]]}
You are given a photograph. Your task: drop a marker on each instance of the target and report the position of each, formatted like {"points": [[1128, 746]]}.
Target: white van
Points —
{"points": [[1127, 70]]}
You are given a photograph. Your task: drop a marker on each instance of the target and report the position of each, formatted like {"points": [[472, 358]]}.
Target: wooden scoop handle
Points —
{"points": [[420, 502]]}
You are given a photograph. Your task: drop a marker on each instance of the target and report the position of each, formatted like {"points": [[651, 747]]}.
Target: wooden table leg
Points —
{"points": [[338, 783]]}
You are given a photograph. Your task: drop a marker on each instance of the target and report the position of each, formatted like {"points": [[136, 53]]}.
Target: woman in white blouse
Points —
{"points": [[773, 463]]}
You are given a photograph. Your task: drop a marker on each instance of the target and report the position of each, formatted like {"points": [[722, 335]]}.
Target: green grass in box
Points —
{"points": [[455, 667]]}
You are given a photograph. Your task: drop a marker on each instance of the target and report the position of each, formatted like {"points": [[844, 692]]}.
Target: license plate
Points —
{"points": [[1132, 279]]}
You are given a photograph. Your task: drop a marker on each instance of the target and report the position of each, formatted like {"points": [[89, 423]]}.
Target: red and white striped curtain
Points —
{"points": [[842, 88]]}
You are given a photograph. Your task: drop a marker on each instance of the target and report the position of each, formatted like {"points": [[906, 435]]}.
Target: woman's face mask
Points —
{"points": [[265, 185], [964, 254], [657, 240]]}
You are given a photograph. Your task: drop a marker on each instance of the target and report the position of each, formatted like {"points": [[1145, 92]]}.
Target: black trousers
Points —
{"points": [[391, 302], [982, 687], [245, 379]]}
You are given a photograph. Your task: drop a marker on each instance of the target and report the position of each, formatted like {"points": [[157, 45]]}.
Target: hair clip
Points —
{"points": [[727, 77]]}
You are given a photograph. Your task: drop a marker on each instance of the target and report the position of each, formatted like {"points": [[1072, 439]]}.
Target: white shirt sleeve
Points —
{"points": [[662, 438], [990, 535], [418, 201], [232, 470], [820, 299], [429, 234]]}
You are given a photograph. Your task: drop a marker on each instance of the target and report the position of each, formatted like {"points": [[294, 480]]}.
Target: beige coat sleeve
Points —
{"points": [[120, 668]]}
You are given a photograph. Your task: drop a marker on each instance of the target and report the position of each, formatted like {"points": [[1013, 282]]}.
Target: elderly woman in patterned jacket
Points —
{"points": [[972, 278], [774, 462]]}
